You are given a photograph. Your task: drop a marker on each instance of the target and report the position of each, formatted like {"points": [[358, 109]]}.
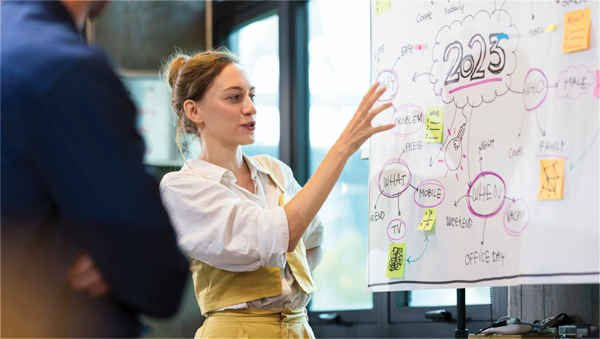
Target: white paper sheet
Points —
{"points": [[510, 99]]}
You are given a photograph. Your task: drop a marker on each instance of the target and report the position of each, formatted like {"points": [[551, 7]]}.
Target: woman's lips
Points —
{"points": [[250, 126]]}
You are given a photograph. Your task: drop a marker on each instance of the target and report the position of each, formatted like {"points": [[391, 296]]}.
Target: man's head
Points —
{"points": [[82, 9]]}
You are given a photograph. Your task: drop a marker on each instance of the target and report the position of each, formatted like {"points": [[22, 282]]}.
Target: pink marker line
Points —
{"points": [[550, 155], [461, 168], [449, 132], [475, 84], [464, 156], [446, 174], [440, 160], [457, 177]]}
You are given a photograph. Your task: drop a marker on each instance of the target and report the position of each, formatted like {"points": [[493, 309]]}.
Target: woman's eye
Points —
{"points": [[234, 97], [252, 96]]}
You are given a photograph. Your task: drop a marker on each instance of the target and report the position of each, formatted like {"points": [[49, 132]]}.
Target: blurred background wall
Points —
{"points": [[140, 34]]}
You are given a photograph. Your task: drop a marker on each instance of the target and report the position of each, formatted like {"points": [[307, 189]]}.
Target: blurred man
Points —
{"points": [[86, 243]]}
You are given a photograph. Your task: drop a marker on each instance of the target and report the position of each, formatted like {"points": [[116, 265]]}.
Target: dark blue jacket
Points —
{"points": [[72, 178]]}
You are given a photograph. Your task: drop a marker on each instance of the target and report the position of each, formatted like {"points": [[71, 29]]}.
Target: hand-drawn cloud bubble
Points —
{"points": [[473, 59], [574, 82]]}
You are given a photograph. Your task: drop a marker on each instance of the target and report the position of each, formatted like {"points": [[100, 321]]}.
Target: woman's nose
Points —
{"points": [[249, 108]]}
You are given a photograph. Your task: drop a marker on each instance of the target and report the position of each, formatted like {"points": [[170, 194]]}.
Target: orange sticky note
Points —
{"points": [[576, 36], [551, 179]]}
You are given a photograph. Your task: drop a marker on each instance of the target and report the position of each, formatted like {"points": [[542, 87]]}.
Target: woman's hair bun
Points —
{"points": [[173, 68]]}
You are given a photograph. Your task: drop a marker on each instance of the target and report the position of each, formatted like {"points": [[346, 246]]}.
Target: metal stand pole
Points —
{"points": [[461, 317]]}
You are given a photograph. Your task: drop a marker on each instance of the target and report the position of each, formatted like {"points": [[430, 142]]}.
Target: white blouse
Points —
{"points": [[226, 226]]}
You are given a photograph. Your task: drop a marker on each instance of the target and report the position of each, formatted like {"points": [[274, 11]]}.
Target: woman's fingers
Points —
{"points": [[383, 128], [379, 109], [369, 93], [370, 98]]}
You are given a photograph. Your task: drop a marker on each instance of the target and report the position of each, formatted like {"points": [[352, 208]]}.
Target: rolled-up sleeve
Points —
{"points": [[215, 226]]}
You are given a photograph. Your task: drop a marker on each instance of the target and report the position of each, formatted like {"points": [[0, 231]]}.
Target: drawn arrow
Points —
{"points": [[469, 121], [555, 85], [416, 76], [380, 193], [401, 154], [584, 153], [461, 198], [432, 159], [538, 122], [480, 168], [511, 199], [483, 235], [425, 241], [396, 62], [522, 121]]}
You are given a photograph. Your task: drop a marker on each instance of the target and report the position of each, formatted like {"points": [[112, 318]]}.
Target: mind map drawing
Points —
{"points": [[509, 98]]}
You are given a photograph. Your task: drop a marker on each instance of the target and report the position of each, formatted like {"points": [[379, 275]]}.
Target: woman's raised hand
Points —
{"points": [[303, 207], [359, 128]]}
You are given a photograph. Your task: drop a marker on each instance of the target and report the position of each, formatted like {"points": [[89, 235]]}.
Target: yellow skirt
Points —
{"points": [[255, 323]]}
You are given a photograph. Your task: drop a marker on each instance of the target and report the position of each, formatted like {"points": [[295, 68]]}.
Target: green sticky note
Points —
{"points": [[395, 262], [428, 220], [382, 6], [434, 124]]}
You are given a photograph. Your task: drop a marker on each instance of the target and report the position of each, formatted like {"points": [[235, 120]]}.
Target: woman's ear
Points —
{"points": [[193, 111]]}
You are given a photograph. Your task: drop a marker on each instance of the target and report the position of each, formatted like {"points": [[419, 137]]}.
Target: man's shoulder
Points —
{"points": [[43, 61]]}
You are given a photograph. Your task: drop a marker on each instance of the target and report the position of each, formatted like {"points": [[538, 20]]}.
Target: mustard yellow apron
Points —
{"points": [[256, 323]]}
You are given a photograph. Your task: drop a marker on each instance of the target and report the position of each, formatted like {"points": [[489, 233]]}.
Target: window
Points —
{"points": [[337, 44], [257, 46], [447, 297]]}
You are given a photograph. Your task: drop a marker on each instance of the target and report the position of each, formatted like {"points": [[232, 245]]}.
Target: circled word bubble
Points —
{"points": [[473, 63], [535, 89], [394, 178], [486, 195], [388, 78], [396, 230], [574, 82], [408, 119], [430, 193], [516, 218]]}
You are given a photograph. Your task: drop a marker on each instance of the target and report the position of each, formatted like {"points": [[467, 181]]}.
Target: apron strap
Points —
{"points": [[297, 258]]}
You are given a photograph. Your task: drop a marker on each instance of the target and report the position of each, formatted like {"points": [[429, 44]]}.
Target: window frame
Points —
{"points": [[293, 75]]}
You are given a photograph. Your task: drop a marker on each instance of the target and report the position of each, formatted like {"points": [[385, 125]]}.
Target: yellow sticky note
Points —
{"points": [[395, 261], [551, 179], [576, 36], [428, 220], [382, 6], [434, 124]]}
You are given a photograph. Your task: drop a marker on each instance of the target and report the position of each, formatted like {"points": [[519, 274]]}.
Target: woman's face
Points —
{"points": [[227, 109]]}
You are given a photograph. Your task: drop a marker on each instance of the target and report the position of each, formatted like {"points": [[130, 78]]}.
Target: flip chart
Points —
{"points": [[495, 143]]}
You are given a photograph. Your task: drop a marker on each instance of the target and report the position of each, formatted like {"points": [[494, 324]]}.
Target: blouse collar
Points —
{"points": [[216, 173]]}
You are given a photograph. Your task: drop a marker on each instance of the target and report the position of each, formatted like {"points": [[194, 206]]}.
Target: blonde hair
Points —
{"points": [[190, 77]]}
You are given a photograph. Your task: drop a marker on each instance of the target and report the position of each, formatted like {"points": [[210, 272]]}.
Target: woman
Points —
{"points": [[252, 232]]}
